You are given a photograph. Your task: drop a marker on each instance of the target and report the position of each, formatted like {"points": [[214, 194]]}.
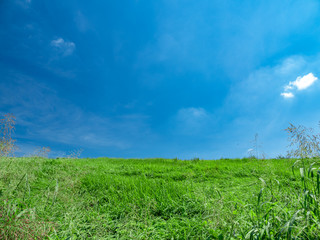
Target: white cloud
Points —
{"points": [[57, 42], [67, 48], [299, 84], [287, 95], [303, 82]]}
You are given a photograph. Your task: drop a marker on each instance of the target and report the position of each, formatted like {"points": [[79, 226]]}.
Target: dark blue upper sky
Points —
{"points": [[171, 78]]}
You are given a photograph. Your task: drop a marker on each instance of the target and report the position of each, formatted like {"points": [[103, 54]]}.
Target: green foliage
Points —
{"points": [[17, 219], [159, 199]]}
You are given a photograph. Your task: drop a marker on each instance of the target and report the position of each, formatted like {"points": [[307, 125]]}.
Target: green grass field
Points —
{"points": [[157, 199]]}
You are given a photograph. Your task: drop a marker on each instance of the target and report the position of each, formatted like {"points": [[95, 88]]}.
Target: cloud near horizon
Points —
{"points": [[299, 84]]}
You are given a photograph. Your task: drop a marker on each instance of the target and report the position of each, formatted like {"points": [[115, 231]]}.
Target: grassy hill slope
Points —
{"points": [[157, 199]]}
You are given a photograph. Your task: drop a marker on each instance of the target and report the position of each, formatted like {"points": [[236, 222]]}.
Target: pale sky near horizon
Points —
{"points": [[168, 78]]}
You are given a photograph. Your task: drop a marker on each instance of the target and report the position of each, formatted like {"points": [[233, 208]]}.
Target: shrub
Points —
{"points": [[7, 144]]}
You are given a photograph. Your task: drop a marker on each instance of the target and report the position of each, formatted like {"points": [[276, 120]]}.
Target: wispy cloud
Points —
{"points": [[191, 120], [299, 84], [66, 47], [81, 22], [185, 35], [192, 113], [43, 117], [23, 3]]}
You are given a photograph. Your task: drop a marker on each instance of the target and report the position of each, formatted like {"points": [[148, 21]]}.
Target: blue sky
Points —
{"points": [[166, 78]]}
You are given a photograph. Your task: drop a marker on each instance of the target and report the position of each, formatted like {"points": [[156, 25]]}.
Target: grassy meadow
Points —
{"points": [[158, 199]]}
